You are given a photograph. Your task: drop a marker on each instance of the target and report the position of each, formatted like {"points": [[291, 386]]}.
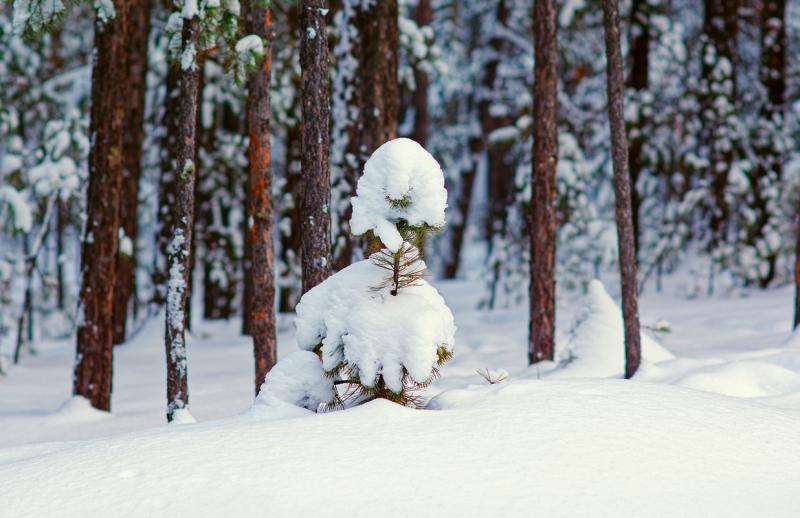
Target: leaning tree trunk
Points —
{"points": [[262, 304], [374, 97], [544, 223], [622, 187], [137, 36], [638, 80], [180, 247], [95, 349], [315, 230]]}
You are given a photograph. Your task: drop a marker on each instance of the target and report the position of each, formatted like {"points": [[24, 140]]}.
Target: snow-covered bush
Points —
{"points": [[380, 330]]}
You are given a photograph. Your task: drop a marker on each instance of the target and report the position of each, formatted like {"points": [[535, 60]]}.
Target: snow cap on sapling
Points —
{"points": [[400, 194]]}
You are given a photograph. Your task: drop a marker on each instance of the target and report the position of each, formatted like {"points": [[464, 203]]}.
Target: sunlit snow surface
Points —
{"points": [[525, 447]]}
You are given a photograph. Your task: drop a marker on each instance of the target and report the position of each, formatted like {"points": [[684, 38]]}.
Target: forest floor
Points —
{"points": [[710, 432]]}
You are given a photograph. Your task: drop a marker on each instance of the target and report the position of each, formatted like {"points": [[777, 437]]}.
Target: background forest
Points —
{"points": [[709, 106]]}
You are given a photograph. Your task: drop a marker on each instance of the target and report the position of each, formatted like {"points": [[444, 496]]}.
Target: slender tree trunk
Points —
{"points": [[166, 183], [768, 171], [718, 97], [262, 304], [622, 187], [459, 228], [500, 175], [94, 352], [137, 36], [544, 222], [423, 15], [62, 216], [179, 250], [375, 97], [638, 80], [315, 234]]}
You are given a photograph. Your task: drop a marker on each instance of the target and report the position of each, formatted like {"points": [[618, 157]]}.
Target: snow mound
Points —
{"points": [[356, 319], [402, 182], [597, 346], [76, 409], [182, 416], [594, 448], [297, 379], [747, 379]]}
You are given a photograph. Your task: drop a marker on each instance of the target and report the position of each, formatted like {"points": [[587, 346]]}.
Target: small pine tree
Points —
{"points": [[379, 329]]}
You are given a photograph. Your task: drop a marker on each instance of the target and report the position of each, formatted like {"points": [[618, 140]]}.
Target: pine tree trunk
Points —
{"points": [[718, 96], [622, 187], [375, 97], [179, 251], [458, 229], [768, 170], [315, 232], [639, 59], [166, 183], [262, 304], [544, 223], [500, 174], [137, 36], [423, 15], [94, 352]]}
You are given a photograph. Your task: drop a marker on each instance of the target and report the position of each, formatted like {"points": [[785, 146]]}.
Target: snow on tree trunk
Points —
{"points": [[180, 248], [262, 303], [94, 353], [622, 187], [137, 36], [315, 232], [544, 223], [366, 101]]}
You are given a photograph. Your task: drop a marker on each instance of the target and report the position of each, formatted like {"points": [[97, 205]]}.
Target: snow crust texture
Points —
{"points": [[402, 182], [357, 320]]}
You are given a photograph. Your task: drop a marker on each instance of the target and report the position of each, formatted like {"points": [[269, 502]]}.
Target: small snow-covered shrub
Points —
{"points": [[380, 330]]}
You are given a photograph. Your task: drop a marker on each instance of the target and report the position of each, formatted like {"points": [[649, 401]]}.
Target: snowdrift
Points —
{"points": [[521, 448]]}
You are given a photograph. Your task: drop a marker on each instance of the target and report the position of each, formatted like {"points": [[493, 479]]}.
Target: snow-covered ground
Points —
{"points": [[707, 428]]}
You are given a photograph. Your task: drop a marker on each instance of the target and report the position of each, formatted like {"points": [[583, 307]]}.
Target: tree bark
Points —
{"points": [[423, 15], [375, 96], [622, 187], [262, 304], [166, 183], [459, 228], [94, 352], [718, 95], [137, 36], [544, 223], [180, 247], [769, 164], [315, 232], [500, 175], [638, 80]]}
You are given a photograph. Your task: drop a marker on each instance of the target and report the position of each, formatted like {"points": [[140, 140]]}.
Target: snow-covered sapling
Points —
{"points": [[380, 330]]}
